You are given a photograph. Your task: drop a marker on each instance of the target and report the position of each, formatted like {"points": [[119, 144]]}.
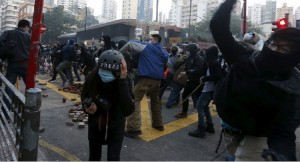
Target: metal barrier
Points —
{"points": [[19, 122]]}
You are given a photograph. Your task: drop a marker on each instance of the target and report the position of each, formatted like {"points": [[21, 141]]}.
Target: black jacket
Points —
{"points": [[215, 71], [267, 101], [21, 51], [119, 95], [194, 67]]}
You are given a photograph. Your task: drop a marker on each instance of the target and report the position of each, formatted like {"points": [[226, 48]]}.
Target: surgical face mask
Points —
{"points": [[78, 52], [102, 43], [106, 76]]}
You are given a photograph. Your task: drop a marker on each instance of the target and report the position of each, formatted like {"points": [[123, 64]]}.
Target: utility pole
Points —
{"points": [[85, 17], [156, 10], [189, 36], [245, 17]]}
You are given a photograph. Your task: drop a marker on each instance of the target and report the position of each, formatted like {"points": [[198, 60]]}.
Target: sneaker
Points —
{"points": [[168, 106], [229, 158], [160, 128], [65, 84], [197, 133], [51, 80], [133, 134], [209, 129], [181, 115]]}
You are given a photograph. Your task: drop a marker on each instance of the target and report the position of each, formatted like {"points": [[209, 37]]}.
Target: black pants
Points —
{"points": [[113, 151], [189, 87], [282, 140]]}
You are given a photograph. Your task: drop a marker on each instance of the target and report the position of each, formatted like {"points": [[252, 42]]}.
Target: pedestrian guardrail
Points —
{"points": [[19, 122], [12, 104]]}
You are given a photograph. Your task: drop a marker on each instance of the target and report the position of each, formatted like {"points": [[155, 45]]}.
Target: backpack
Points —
{"points": [[73, 55], [247, 111], [7, 49]]}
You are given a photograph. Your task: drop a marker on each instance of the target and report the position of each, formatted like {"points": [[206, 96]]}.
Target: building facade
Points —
{"points": [[129, 9], [109, 10], [195, 13], [27, 9], [145, 10], [71, 5], [175, 13], [268, 12], [9, 11], [254, 14], [286, 10]]}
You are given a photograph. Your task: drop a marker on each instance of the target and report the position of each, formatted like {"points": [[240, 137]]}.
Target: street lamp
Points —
{"points": [[156, 10], [189, 36], [85, 17]]}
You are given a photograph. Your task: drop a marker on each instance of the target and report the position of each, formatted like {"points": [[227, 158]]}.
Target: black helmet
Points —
{"points": [[110, 60]]}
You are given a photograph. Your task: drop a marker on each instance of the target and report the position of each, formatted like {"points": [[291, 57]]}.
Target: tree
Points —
{"points": [[90, 19], [204, 34], [58, 22]]}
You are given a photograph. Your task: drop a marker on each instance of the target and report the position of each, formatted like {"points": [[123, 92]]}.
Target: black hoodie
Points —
{"points": [[107, 44], [257, 96]]}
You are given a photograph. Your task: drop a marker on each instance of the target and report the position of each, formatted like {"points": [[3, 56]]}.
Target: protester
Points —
{"points": [[67, 52], [194, 68], [107, 99], [152, 61], [260, 95], [213, 75], [18, 62]]}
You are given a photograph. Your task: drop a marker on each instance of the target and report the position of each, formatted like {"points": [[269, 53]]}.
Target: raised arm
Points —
{"points": [[219, 26], [133, 46]]}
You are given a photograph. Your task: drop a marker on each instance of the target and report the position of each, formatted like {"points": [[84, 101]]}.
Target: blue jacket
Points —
{"points": [[152, 58], [67, 51]]}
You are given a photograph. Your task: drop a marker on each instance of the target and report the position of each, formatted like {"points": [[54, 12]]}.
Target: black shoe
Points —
{"points": [[181, 115], [168, 107], [51, 80], [160, 128], [133, 134], [210, 129], [197, 133]]}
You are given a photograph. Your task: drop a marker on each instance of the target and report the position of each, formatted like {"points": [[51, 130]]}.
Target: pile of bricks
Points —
{"points": [[76, 114], [74, 88]]}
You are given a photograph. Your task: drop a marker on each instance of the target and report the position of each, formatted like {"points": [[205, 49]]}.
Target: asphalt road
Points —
{"points": [[60, 142]]}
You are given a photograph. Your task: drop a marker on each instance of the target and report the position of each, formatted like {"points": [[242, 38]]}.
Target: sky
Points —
{"points": [[165, 5]]}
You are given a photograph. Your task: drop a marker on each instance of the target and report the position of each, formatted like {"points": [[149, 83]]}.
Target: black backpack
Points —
{"points": [[246, 111], [6, 49]]}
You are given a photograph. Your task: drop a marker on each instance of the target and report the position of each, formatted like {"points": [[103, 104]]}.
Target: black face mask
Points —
{"points": [[271, 62], [173, 52]]}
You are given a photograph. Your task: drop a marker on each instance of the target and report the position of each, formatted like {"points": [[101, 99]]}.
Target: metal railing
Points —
{"points": [[10, 116], [19, 122]]}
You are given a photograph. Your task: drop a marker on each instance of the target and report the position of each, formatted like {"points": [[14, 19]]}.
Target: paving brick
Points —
{"points": [[69, 123]]}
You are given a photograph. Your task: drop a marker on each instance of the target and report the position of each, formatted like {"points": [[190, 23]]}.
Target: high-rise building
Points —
{"points": [[254, 14], [145, 10], [9, 11], [71, 5], [175, 13], [27, 9], [109, 10], [212, 6], [286, 10], [268, 12], [297, 13], [194, 14], [129, 9]]}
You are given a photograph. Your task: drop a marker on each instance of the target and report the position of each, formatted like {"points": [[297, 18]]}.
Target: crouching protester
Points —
{"points": [[260, 96], [108, 100]]}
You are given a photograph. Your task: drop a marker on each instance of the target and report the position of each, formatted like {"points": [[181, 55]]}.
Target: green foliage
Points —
{"points": [[81, 15], [202, 30], [57, 22]]}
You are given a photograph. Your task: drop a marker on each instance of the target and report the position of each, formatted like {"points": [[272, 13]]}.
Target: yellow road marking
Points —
{"points": [[150, 134], [60, 151], [55, 88]]}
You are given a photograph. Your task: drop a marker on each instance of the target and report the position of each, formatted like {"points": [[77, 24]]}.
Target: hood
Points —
{"points": [[273, 62], [71, 42], [212, 54], [107, 41]]}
